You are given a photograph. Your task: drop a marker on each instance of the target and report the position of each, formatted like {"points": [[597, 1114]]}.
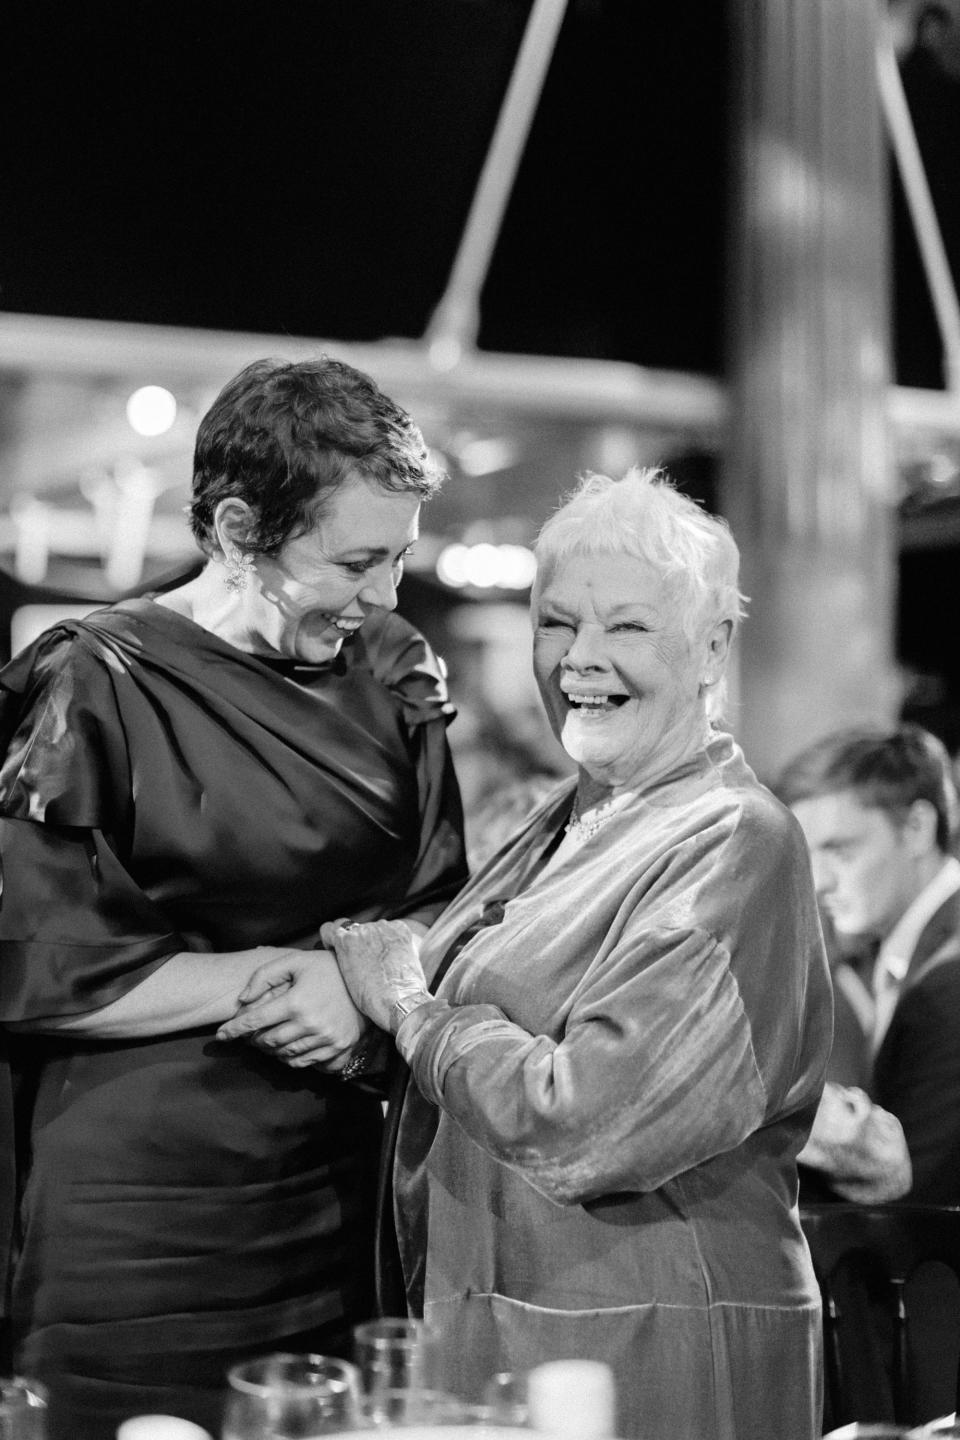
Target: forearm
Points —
{"points": [[186, 991], [546, 1109]]}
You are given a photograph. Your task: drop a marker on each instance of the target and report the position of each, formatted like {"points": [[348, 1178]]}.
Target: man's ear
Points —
{"points": [[920, 828]]}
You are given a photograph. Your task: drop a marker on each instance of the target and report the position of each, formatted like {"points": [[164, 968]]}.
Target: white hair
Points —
{"points": [[644, 515]]}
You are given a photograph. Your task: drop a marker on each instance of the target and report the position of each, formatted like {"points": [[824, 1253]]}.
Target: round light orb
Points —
{"points": [[151, 410], [487, 567], [518, 567], [452, 566], [483, 566]]}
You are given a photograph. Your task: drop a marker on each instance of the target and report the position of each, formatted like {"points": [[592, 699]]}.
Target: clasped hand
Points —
{"points": [[308, 1007], [380, 963], [297, 1008]]}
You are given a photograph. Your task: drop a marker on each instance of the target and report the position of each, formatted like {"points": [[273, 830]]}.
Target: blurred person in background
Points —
{"points": [[495, 818], [502, 776], [878, 808], [193, 783], [597, 1157]]}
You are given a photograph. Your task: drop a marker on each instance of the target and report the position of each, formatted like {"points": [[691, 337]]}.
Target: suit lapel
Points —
{"points": [[941, 929]]}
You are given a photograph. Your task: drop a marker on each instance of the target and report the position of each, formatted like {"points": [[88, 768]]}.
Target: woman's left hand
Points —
{"points": [[380, 963]]}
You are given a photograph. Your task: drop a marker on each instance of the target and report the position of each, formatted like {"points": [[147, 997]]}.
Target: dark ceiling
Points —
{"points": [[306, 167]]}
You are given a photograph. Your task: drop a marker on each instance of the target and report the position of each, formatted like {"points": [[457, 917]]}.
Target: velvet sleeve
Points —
{"points": [[642, 1086], [679, 1040]]}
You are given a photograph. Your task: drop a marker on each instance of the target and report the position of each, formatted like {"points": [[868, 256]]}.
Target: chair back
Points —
{"points": [[864, 1256]]}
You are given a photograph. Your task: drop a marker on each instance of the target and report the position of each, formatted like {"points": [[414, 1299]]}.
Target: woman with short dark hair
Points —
{"points": [[193, 783]]}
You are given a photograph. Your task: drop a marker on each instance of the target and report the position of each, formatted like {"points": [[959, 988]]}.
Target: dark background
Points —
{"points": [[305, 167]]}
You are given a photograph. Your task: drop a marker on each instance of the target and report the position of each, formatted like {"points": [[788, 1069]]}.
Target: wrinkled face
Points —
{"points": [[863, 867], [305, 601], [619, 678]]}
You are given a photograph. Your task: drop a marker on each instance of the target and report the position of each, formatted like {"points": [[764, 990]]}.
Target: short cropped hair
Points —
{"points": [[885, 769], [283, 436], [646, 516]]}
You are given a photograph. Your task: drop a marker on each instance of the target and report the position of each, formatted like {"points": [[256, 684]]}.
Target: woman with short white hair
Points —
{"points": [[631, 1016]]}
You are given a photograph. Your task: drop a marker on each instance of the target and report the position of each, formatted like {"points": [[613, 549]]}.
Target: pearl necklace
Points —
{"points": [[585, 826]]}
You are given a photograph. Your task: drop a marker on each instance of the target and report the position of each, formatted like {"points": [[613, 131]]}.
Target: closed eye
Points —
{"points": [[360, 567]]}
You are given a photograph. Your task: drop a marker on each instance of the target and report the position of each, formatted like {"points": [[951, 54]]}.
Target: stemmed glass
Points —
{"points": [[290, 1397]]}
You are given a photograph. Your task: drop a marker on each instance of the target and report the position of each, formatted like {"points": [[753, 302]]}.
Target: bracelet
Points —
{"points": [[360, 1058]]}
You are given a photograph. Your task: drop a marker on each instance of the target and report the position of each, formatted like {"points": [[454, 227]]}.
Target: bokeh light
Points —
{"points": [[486, 566], [151, 410]]}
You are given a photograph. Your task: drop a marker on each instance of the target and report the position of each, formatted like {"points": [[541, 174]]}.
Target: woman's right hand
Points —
{"points": [[380, 960], [296, 1007]]}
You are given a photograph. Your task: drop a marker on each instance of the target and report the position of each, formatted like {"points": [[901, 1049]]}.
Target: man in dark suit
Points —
{"points": [[879, 809], [916, 1069]]}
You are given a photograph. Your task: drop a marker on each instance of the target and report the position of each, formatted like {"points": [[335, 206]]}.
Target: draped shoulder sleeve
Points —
{"points": [[64, 760], [404, 661], [76, 931]]}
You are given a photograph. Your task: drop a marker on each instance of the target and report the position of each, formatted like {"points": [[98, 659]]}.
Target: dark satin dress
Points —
{"points": [[188, 1202]]}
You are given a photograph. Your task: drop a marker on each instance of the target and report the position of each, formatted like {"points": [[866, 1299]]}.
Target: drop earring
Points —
{"points": [[238, 567]]}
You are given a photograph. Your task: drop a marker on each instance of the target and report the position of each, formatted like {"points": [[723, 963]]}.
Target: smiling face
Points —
{"points": [[620, 679], [304, 601]]}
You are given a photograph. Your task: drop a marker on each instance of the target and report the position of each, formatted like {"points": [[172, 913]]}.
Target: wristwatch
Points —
{"points": [[406, 1005]]}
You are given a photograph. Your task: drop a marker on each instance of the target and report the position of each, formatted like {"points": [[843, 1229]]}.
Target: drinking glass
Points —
{"points": [[399, 1366], [290, 1397], [389, 1409], [505, 1396], [22, 1406]]}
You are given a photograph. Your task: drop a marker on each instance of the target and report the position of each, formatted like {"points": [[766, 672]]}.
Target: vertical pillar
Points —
{"points": [[807, 482]]}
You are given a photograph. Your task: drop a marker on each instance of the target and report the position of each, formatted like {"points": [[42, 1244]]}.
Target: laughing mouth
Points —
{"points": [[595, 704], [346, 627]]}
